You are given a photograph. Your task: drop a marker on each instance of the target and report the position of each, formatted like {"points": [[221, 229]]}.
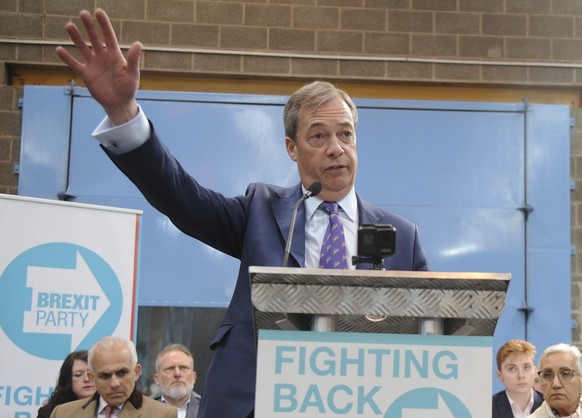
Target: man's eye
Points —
{"points": [[346, 136]]}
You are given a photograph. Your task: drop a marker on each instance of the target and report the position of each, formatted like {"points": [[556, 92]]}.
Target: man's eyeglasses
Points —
{"points": [[564, 375]]}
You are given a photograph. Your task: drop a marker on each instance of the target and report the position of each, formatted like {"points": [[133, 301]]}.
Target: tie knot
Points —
{"points": [[329, 207], [109, 409]]}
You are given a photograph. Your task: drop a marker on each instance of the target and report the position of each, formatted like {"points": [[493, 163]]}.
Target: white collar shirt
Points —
{"points": [[103, 405], [182, 409], [516, 409]]}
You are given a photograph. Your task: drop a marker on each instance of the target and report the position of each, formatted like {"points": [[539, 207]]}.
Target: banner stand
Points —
{"points": [[68, 277]]}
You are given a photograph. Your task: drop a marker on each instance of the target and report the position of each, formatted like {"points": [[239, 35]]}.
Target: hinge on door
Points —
{"points": [[526, 209], [66, 196]]}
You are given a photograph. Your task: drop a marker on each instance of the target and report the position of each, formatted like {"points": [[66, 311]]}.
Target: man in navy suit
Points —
{"points": [[320, 127], [516, 370]]}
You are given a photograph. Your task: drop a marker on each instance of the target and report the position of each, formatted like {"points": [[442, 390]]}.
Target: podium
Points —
{"points": [[411, 302], [367, 363]]}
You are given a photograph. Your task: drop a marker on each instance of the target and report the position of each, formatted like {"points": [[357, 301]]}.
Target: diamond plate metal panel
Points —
{"points": [[467, 303]]}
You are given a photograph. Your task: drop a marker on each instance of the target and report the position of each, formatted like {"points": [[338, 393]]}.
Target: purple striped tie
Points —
{"points": [[333, 250]]}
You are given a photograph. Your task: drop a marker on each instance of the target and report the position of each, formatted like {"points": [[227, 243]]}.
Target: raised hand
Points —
{"points": [[111, 79]]}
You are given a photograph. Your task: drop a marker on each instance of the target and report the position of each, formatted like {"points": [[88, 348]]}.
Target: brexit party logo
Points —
{"points": [[57, 297]]}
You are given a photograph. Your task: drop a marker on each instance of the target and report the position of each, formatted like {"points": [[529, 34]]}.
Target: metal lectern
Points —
{"points": [[377, 301]]}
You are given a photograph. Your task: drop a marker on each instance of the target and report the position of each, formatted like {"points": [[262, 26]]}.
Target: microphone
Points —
{"points": [[313, 190]]}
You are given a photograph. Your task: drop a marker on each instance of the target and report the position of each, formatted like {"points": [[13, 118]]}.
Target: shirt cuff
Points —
{"points": [[123, 138]]}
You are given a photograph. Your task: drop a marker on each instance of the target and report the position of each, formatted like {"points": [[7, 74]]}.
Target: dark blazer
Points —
{"points": [[136, 406], [252, 228], [502, 408]]}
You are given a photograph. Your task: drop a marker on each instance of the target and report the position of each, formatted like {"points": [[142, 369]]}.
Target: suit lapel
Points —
{"points": [[90, 408], [128, 411], [367, 214], [282, 206], [192, 411]]}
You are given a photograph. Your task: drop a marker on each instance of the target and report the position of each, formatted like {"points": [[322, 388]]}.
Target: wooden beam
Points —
{"points": [[56, 75]]}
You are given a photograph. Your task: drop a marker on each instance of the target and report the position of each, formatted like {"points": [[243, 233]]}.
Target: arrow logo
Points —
{"points": [[64, 301], [442, 411]]}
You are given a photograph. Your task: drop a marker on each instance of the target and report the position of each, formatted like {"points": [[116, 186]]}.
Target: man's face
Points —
{"points": [[325, 149], [517, 373], [176, 375], [563, 396], [114, 375]]}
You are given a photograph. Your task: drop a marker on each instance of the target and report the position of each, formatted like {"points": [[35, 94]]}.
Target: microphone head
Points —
{"points": [[315, 188]]}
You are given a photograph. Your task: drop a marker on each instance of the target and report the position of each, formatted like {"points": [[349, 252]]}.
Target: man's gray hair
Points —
{"points": [[107, 343], [312, 96], [173, 347]]}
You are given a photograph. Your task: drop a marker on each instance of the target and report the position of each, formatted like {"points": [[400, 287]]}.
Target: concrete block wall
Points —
{"points": [[501, 43]]}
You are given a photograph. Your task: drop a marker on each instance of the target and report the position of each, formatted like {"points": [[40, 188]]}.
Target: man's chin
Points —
{"points": [[177, 393]]}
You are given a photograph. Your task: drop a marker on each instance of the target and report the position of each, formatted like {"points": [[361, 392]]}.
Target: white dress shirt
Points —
{"points": [[103, 405], [516, 409], [181, 410]]}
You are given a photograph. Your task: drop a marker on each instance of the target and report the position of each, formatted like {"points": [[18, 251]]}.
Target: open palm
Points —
{"points": [[111, 79]]}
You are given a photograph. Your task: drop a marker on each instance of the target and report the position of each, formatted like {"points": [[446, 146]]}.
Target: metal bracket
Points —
{"points": [[526, 209]]}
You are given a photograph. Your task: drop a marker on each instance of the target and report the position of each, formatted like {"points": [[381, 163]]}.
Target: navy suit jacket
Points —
{"points": [[252, 228], [502, 408]]}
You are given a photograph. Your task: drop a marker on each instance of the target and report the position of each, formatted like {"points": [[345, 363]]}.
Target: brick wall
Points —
{"points": [[507, 43]]}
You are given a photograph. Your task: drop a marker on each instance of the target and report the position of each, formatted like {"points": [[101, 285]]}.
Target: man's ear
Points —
{"points": [[291, 148], [137, 371], [156, 378]]}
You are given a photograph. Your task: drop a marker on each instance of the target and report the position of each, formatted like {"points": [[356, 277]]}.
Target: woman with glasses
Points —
{"points": [[73, 383], [560, 381]]}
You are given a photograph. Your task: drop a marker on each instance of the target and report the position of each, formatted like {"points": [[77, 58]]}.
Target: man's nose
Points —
{"points": [[114, 381], [335, 146]]}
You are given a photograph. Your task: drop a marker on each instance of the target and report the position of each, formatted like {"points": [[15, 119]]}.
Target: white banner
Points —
{"points": [[357, 375], [68, 276]]}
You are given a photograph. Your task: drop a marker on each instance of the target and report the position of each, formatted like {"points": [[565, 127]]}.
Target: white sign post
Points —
{"points": [[359, 375], [68, 276]]}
